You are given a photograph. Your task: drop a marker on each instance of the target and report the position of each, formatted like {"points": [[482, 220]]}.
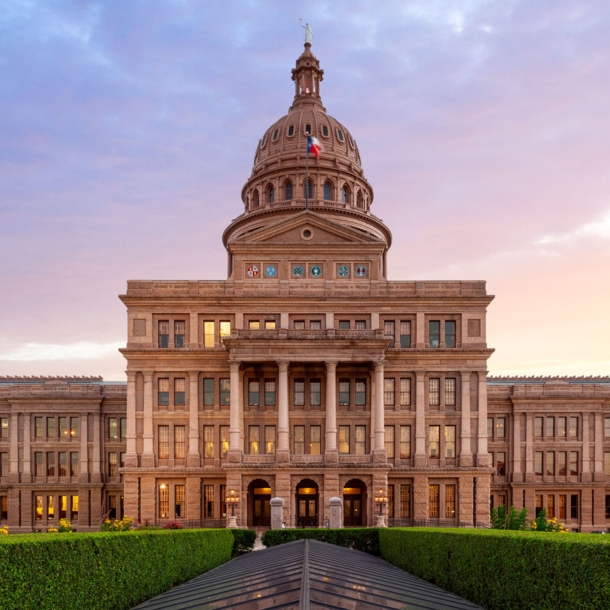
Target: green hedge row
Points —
{"points": [[243, 541], [105, 571], [361, 539], [504, 570]]}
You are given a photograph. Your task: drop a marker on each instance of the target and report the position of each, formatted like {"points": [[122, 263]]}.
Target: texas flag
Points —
{"points": [[314, 147]]}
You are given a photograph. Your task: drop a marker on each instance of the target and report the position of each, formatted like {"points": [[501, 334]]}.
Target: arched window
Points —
{"points": [[308, 189], [255, 199], [328, 191], [270, 194], [360, 200], [288, 191], [345, 194]]}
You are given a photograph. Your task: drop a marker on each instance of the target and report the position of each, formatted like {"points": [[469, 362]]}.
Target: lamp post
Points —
{"points": [[380, 500], [232, 501]]}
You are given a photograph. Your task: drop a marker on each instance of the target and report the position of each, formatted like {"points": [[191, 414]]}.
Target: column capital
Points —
{"points": [[466, 375], [283, 365], [193, 374], [380, 364], [234, 365], [331, 364], [148, 375], [131, 375]]}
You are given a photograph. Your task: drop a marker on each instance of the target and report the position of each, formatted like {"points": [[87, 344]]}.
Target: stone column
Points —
{"points": [[465, 449], [84, 449], [193, 457], [234, 453], [26, 475], [421, 459], [148, 453], [467, 500], [277, 513], [482, 454], [517, 476], [14, 449], [131, 456], [283, 446], [483, 484], [336, 513], [586, 459], [378, 451], [598, 474], [96, 474], [529, 448], [331, 454]]}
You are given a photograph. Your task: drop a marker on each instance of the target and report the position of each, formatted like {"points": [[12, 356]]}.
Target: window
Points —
{"points": [[38, 427], [269, 440], [607, 463], [450, 442], [179, 331], [308, 126], [269, 324], [163, 501], [449, 333], [434, 392], [360, 392], [163, 391], [389, 441], [538, 421], [550, 427], [163, 333], [315, 325], [360, 324], [405, 333], [298, 386], [50, 464], [38, 502], [3, 507], [113, 466], [343, 439], [254, 391], [501, 463], [538, 462], [270, 392], [291, 130], [315, 441], [389, 331], [360, 445], [573, 427], [179, 393], [113, 431], [449, 501], [561, 426], [254, 440], [538, 504], [74, 426], [123, 427], [574, 506], [405, 501], [270, 194], [500, 427], [208, 392], [388, 392], [340, 135], [434, 433], [562, 507], [325, 130], [38, 465], [50, 427], [434, 497], [328, 191], [345, 194], [63, 427], [390, 501], [308, 189], [121, 461], [550, 463], [208, 334], [288, 190], [74, 464], [224, 440], [208, 501], [223, 500], [163, 442], [490, 427], [299, 440], [405, 442], [343, 324], [179, 500], [434, 332], [179, 442], [450, 392], [63, 464], [4, 428], [50, 507], [208, 442], [299, 325], [405, 392], [606, 427], [562, 463], [225, 392], [343, 392], [315, 392], [573, 463]]}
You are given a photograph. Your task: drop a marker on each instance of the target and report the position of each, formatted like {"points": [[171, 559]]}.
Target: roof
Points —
{"points": [[534, 380], [307, 574]]}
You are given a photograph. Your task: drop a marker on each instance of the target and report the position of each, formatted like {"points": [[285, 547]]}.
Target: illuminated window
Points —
{"points": [[208, 442], [299, 440], [113, 428], [179, 442], [449, 501], [4, 427], [225, 329], [179, 501], [39, 508], [360, 445], [405, 442], [224, 440], [254, 440], [561, 426], [163, 442], [208, 334], [63, 427], [163, 501], [315, 443], [63, 507], [434, 434], [269, 440], [50, 507], [434, 498], [343, 439], [573, 427]]}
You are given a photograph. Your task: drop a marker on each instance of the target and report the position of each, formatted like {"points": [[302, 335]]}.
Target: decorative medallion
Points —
{"points": [[360, 270], [270, 271], [316, 271], [252, 270], [298, 270], [343, 271]]}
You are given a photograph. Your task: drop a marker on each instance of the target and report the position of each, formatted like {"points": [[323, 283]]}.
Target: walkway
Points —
{"points": [[307, 574]]}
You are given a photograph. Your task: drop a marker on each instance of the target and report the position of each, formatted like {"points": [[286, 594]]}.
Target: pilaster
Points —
{"points": [[148, 453]]}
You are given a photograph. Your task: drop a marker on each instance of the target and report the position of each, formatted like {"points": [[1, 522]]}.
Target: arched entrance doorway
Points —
{"points": [[259, 496], [307, 503], [354, 498]]}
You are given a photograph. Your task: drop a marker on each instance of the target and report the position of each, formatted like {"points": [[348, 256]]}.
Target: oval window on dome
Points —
{"points": [[340, 135], [275, 134], [291, 131], [325, 130], [349, 139], [308, 129], [264, 140]]}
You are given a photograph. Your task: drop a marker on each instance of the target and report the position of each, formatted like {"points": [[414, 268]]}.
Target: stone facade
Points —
{"points": [[307, 376]]}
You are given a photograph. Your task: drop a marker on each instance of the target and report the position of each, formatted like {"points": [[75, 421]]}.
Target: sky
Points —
{"points": [[128, 128]]}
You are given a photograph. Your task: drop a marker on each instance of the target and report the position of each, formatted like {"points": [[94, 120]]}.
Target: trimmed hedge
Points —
{"points": [[502, 570], [361, 539], [105, 571], [243, 541]]}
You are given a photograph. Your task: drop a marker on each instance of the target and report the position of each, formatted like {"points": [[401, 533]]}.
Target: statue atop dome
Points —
{"points": [[308, 32]]}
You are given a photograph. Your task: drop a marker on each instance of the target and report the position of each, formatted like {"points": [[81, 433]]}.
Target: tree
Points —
{"points": [[511, 520]]}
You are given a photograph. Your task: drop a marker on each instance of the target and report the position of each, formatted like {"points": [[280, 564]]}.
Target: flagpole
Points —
{"points": [[307, 176]]}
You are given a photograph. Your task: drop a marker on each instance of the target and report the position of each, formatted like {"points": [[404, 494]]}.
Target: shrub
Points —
{"points": [[243, 541], [541, 524], [361, 539], [103, 571], [4, 530], [117, 525], [65, 526], [503, 570], [173, 525], [513, 520]]}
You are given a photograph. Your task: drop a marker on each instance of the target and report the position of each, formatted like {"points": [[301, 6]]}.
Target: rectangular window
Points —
{"points": [[298, 386], [74, 464], [450, 392], [607, 427], [343, 439], [390, 501], [405, 501], [63, 464], [113, 428], [179, 501], [50, 464], [208, 501], [550, 463], [405, 392], [434, 435], [388, 392], [561, 426], [562, 465], [179, 330], [538, 421], [343, 324], [490, 428], [270, 392], [39, 508], [434, 392], [405, 333], [4, 507], [163, 442], [123, 427], [500, 427], [208, 392], [163, 333], [389, 331], [254, 325], [360, 392], [179, 392], [607, 463], [269, 324], [574, 506], [450, 442], [450, 333], [360, 324], [63, 507], [573, 463], [254, 392], [39, 427], [315, 325], [121, 460], [298, 325], [164, 391], [208, 442], [225, 392], [179, 442], [538, 504], [163, 501], [50, 507], [434, 496], [113, 466], [269, 440], [63, 427], [389, 441], [573, 427], [74, 427], [550, 507], [501, 463], [299, 440], [223, 501], [4, 464], [538, 462], [38, 464], [225, 329], [434, 333], [550, 427], [344, 392], [4, 428], [405, 442], [449, 501], [50, 427], [315, 392], [208, 334], [224, 440], [360, 445], [315, 443], [562, 507], [254, 439]]}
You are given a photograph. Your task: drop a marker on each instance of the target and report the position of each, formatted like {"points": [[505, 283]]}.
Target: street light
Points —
{"points": [[232, 501], [380, 500]]}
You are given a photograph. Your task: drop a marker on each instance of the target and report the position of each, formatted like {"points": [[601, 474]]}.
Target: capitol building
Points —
{"points": [[306, 375]]}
